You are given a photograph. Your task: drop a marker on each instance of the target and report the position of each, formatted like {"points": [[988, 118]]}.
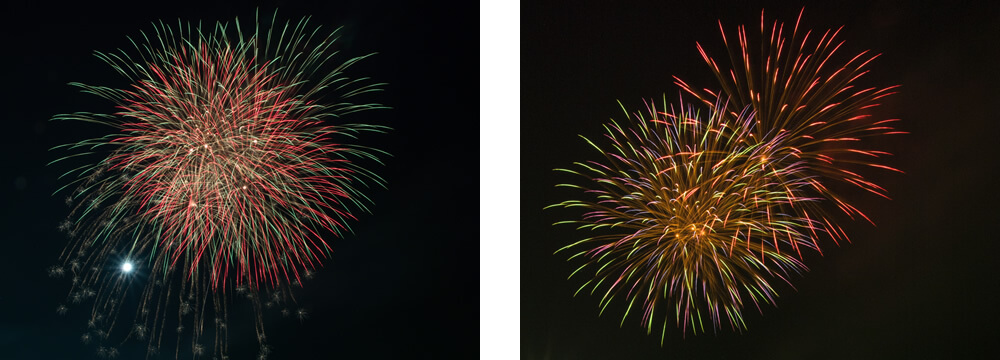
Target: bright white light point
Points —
{"points": [[127, 267]]}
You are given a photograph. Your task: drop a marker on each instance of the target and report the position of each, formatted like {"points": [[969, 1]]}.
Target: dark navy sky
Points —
{"points": [[402, 286], [922, 284]]}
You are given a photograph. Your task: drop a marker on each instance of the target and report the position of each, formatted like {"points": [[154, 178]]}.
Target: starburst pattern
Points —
{"points": [[694, 222], [230, 165], [800, 86]]}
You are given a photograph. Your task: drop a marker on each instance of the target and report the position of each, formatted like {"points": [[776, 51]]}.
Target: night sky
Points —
{"points": [[402, 286], [921, 284]]}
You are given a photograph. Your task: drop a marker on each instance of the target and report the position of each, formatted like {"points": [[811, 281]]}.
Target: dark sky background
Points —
{"points": [[921, 284], [402, 286]]}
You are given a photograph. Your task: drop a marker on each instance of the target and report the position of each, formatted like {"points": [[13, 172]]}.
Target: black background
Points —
{"points": [[921, 284], [402, 286]]}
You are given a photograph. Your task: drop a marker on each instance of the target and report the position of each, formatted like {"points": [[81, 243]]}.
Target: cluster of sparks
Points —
{"points": [[695, 216], [226, 172]]}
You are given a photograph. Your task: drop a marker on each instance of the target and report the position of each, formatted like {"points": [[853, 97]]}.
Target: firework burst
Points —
{"points": [[229, 165], [695, 217], [799, 86], [693, 221]]}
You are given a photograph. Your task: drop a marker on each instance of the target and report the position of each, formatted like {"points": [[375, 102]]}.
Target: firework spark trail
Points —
{"points": [[225, 171], [798, 85], [691, 215]]}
